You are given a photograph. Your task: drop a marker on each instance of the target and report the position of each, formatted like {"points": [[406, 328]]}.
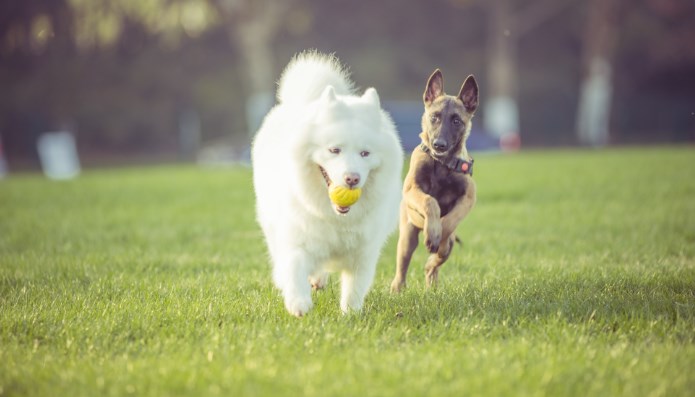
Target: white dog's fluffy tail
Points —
{"points": [[308, 74]]}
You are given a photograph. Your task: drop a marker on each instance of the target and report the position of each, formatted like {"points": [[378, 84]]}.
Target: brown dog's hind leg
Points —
{"points": [[434, 261], [407, 242]]}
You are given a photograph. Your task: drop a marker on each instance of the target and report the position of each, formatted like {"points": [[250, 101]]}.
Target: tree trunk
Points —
{"points": [[254, 42], [596, 91], [501, 109], [252, 26]]}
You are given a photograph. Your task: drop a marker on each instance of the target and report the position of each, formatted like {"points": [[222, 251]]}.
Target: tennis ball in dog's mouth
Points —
{"points": [[343, 196]]}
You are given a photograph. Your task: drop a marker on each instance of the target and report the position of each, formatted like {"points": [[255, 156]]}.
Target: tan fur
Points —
{"points": [[429, 186]]}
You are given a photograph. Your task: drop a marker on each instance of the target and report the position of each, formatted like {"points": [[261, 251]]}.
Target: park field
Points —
{"points": [[576, 278]]}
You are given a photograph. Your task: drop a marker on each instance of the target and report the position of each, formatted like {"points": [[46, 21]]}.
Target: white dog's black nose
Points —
{"points": [[352, 179]]}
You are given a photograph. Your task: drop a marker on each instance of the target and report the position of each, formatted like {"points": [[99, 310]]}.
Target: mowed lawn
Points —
{"points": [[576, 278]]}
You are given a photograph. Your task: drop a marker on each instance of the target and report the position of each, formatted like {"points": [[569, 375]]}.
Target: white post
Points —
{"points": [[58, 155], [594, 111]]}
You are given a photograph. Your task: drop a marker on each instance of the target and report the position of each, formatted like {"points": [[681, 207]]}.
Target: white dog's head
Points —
{"points": [[347, 142]]}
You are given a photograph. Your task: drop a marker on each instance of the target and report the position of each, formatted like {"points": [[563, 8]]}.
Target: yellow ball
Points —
{"points": [[343, 196]]}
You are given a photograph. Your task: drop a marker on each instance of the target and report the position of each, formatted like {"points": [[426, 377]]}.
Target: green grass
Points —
{"points": [[576, 277]]}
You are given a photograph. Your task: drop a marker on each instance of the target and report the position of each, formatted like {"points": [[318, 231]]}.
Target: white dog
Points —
{"points": [[321, 134]]}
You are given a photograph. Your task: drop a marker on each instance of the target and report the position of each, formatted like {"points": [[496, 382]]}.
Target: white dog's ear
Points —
{"points": [[372, 97], [328, 95]]}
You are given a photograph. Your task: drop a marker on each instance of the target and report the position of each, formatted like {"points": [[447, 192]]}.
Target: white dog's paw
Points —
{"points": [[318, 282], [298, 306]]}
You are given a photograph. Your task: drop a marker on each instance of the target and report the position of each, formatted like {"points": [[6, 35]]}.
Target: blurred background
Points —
{"points": [[146, 81]]}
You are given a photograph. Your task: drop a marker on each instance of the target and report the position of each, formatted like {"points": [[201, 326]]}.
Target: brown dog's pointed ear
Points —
{"points": [[435, 87], [469, 94]]}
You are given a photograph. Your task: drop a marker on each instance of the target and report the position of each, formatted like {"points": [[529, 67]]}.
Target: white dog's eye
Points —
{"points": [[364, 153], [334, 150]]}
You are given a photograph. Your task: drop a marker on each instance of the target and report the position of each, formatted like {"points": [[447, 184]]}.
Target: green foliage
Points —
{"points": [[101, 23], [576, 277]]}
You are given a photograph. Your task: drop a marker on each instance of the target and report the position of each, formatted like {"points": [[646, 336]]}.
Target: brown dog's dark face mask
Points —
{"points": [[446, 122]]}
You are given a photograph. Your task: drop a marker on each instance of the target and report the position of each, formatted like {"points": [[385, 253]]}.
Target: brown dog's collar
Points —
{"points": [[456, 164]]}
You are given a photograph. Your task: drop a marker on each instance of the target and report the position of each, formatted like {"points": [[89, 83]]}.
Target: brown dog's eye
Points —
{"points": [[434, 118], [334, 150], [364, 153], [456, 121]]}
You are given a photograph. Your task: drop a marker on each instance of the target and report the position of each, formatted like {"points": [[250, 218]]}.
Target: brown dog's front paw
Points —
{"points": [[397, 286], [433, 237], [432, 246]]}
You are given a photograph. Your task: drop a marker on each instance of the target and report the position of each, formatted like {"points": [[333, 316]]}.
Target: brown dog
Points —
{"points": [[438, 191]]}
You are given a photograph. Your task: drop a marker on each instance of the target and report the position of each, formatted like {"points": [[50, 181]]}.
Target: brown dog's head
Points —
{"points": [[446, 122]]}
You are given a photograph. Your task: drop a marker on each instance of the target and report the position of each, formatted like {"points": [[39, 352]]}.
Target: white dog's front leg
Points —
{"points": [[292, 276], [355, 283], [318, 280]]}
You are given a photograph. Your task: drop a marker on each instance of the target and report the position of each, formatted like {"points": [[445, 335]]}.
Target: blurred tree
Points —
{"points": [[508, 23], [596, 91], [100, 66], [655, 87], [40, 30], [252, 25], [125, 71], [105, 22]]}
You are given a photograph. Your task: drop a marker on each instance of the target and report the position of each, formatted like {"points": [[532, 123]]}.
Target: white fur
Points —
{"points": [[306, 236]]}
